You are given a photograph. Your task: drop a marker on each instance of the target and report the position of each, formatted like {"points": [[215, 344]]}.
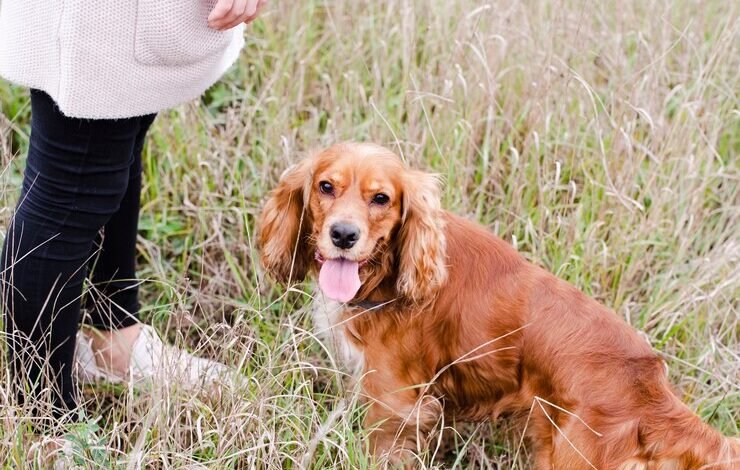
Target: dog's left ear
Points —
{"points": [[422, 253]]}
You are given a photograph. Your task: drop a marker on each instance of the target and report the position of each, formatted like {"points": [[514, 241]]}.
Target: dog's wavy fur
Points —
{"points": [[475, 331]]}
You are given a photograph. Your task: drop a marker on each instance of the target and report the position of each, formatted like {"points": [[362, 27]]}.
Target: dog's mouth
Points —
{"points": [[339, 278]]}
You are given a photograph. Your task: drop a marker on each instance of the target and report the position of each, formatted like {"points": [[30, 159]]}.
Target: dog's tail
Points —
{"points": [[676, 436]]}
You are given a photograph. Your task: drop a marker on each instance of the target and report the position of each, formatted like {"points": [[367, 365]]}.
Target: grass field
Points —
{"points": [[601, 138]]}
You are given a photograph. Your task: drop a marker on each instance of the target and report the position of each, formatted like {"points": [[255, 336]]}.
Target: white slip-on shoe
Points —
{"points": [[151, 359]]}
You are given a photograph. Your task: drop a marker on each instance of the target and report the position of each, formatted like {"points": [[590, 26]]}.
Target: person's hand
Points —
{"points": [[228, 13]]}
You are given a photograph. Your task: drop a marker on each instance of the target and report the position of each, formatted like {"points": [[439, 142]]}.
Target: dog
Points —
{"points": [[440, 317]]}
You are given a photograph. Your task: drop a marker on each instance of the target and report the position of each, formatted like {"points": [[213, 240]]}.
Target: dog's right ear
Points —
{"points": [[285, 226]]}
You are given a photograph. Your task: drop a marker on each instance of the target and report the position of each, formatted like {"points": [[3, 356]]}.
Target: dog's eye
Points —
{"points": [[326, 187], [381, 199]]}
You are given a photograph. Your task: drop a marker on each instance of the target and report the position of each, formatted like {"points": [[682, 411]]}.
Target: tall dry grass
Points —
{"points": [[600, 138]]}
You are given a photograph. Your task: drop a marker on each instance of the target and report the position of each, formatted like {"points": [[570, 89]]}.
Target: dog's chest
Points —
{"points": [[331, 327]]}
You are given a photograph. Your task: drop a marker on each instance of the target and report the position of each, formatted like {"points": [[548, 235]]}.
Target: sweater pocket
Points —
{"points": [[176, 32]]}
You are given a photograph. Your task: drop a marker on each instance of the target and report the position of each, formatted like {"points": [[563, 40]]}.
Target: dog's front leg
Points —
{"points": [[399, 424]]}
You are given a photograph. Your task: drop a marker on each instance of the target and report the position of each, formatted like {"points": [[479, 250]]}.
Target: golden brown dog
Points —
{"points": [[441, 316]]}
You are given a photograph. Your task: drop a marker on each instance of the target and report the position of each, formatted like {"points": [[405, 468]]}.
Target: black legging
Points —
{"points": [[81, 175]]}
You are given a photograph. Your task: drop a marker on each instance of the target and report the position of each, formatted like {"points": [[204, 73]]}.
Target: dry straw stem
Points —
{"points": [[601, 138]]}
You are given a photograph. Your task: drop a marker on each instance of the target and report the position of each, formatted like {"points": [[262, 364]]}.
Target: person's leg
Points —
{"points": [[77, 174], [112, 297]]}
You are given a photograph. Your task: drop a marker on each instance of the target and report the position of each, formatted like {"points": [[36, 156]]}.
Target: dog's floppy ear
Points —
{"points": [[285, 225], [422, 254]]}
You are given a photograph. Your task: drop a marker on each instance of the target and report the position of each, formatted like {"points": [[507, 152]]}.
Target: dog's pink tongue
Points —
{"points": [[339, 279]]}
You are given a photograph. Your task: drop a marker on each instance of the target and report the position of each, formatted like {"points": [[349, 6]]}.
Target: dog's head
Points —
{"points": [[359, 216]]}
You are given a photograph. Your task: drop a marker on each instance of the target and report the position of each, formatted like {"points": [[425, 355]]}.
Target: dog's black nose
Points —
{"points": [[344, 235]]}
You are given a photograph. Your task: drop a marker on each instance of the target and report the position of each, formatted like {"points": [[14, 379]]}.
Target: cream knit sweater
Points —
{"points": [[114, 58]]}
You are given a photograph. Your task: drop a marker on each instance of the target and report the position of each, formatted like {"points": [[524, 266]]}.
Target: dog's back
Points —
{"points": [[598, 393]]}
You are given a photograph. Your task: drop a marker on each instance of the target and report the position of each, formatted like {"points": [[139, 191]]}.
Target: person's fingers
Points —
{"points": [[244, 9], [257, 7], [235, 15], [220, 10], [232, 17], [236, 11], [228, 13], [252, 7]]}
